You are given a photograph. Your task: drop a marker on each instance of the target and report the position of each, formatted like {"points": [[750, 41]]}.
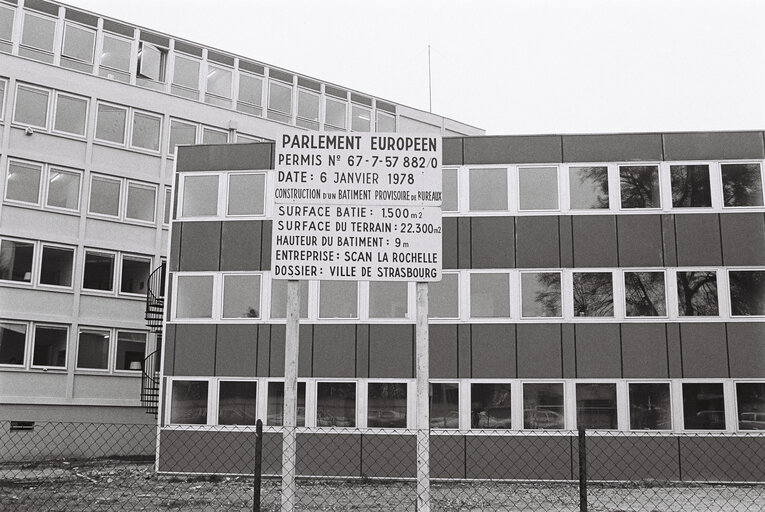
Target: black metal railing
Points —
{"points": [[150, 380], [155, 309], [155, 298]]}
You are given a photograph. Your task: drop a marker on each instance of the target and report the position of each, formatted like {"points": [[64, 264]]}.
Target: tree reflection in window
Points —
{"points": [[690, 186], [639, 186], [540, 294], [588, 187], [742, 184], [644, 293], [747, 292], [593, 294], [697, 293]]}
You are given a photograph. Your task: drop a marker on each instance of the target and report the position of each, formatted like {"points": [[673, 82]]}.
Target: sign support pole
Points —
{"points": [[423, 399], [289, 439]]}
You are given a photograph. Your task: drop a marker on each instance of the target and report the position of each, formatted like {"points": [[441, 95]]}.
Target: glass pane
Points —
{"points": [[543, 406], [135, 273], [644, 293], [31, 107], [742, 184], [12, 343], [650, 407], [488, 189], [150, 61], [386, 405], [23, 182], [338, 299], [93, 351], [131, 350], [110, 125], [195, 295], [361, 119], [38, 32], [385, 122], [697, 293], [246, 194], [140, 202], [181, 133], [593, 294], [276, 404], [596, 406], [444, 405], [79, 43], [336, 404], [279, 298], [703, 406], [104, 196], [747, 292], [250, 89], [335, 113], [219, 81], [489, 295], [490, 406], [236, 405], [280, 97], [16, 261], [640, 186], [450, 191], [116, 53], [71, 114], [443, 297], [540, 294], [750, 398], [99, 271], [56, 268], [241, 296], [50, 346], [168, 205], [200, 196], [6, 23], [146, 131], [189, 402], [186, 72], [210, 136], [64, 189], [388, 300], [2, 94], [308, 105], [588, 187], [538, 188], [690, 186]]}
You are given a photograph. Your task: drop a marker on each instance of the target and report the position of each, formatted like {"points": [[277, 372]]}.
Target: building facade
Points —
{"points": [[610, 282], [91, 111]]}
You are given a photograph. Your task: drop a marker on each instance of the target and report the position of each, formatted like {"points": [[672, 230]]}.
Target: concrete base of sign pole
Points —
{"points": [[423, 399], [289, 438]]}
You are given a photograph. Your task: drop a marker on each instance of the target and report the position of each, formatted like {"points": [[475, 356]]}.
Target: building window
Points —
{"points": [[450, 185], [98, 273], [275, 412], [488, 189], [593, 294], [279, 298], [650, 406], [151, 62], [105, 194], [742, 184], [16, 260], [214, 136], [63, 189], [490, 406], [23, 183], [50, 346], [77, 51], [37, 37], [57, 266], [639, 186], [388, 299], [385, 123], [199, 196], [71, 114], [6, 29], [241, 296], [308, 110], [115, 58], [538, 188], [31, 106], [697, 293], [131, 351], [338, 299], [543, 406], [93, 350], [335, 404], [750, 400], [181, 133], [644, 294], [194, 297], [237, 403], [3, 86], [361, 119], [111, 127], [250, 94], [110, 123], [141, 200], [386, 405], [135, 274], [489, 295], [246, 194], [747, 292], [703, 406], [690, 186], [189, 402], [13, 342], [444, 405], [146, 131], [596, 406], [541, 294], [219, 81], [335, 113], [186, 76], [168, 205], [588, 188], [443, 297], [279, 101]]}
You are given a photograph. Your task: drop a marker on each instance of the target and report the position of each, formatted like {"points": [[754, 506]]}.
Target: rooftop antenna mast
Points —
{"points": [[430, 89]]}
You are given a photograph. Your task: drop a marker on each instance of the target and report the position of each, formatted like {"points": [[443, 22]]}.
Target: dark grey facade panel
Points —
{"points": [[264, 350], [236, 351], [518, 457], [175, 247], [447, 456], [743, 238], [698, 239], [389, 456], [493, 351], [82, 17], [639, 239], [464, 259], [240, 245], [362, 350], [220, 58], [276, 351], [568, 350], [632, 458], [668, 240], [194, 351], [151, 37], [464, 352], [537, 242], [674, 351], [42, 6], [746, 349], [566, 240], [168, 342], [512, 149], [452, 151], [200, 247], [391, 351], [334, 350], [188, 48], [719, 458], [225, 157], [705, 352], [638, 147], [280, 75], [713, 146], [492, 242], [265, 245], [598, 351], [443, 351], [251, 67], [449, 242], [329, 455], [539, 351], [118, 28], [594, 241], [644, 351]]}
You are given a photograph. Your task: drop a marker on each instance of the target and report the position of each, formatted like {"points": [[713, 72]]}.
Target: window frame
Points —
{"points": [[510, 194], [49, 94], [326, 124], [122, 201], [566, 406], [517, 182], [720, 184], [161, 54], [210, 402], [679, 423], [131, 121], [115, 272], [38, 281], [660, 181], [141, 185], [211, 67], [179, 55], [223, 196], [736, 409], [13, 11], [19, 202], [48, 51], [312, 395], [56, 96], [357, 314], [125, 127], [94, 330], [257, 108], [171, 150], [3, 96], [49, 325], [727, 271], [670, 397], [27, 357], [218, 284], [623, 284], [562, 293], [36, 255], [122, 39], [69, 23], [120, 271], [280, 113]]}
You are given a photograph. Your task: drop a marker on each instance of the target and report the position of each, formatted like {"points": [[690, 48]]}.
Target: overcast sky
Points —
{"points": [[508, 66]]}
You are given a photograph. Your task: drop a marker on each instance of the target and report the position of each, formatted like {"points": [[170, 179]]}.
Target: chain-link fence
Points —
{"points": [[84, 467]]}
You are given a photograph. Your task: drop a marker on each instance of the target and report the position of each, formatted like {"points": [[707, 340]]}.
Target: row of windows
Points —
{"points": [[184, 72], [43, 264], [572, 295], [470, 405], [52, 187], [38, 345]]}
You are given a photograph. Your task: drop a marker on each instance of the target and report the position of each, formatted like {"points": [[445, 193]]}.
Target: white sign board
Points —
{"points": [[357, 207]]}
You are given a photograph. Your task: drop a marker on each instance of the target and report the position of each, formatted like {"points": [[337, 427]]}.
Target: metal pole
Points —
{"points": [[582, 471], [423, 400], [289, 439], [258, 465]]}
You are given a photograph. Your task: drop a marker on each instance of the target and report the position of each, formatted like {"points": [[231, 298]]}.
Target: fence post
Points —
{"points": [[582, 471], [258, 465]]}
